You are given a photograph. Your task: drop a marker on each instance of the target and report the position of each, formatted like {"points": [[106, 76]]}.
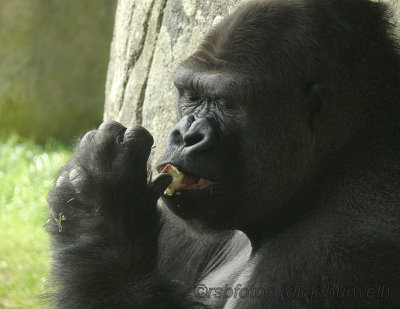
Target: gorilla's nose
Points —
{"points": [[194, 134]]}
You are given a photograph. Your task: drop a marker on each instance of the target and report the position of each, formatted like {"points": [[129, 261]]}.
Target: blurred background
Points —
{"points": [[53, 64]]}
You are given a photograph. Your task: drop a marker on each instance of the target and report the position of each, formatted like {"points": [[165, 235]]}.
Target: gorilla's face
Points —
{"points": [[242, 128], [207, 143]]}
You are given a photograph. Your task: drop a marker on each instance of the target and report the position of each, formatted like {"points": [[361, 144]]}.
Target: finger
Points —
{"points": [[159, 184], [111, 131], [138, 140], [111, 126], [87, 138], [138, 133]]}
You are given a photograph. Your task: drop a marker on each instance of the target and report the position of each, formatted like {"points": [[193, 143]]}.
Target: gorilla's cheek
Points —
{"points": [[276, 166]]}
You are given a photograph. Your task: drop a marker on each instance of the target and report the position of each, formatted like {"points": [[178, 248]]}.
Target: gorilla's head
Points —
{"points": [[270, 99]]}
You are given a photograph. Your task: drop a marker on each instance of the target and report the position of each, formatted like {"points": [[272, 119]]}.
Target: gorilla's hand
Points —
{"points": [[104, 224], [107, 179]]}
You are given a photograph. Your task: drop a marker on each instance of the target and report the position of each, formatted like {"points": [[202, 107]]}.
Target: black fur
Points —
{"points": [[293, 109]]}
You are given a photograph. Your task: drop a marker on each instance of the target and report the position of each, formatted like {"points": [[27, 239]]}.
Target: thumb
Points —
{"points": [[159, 184]]}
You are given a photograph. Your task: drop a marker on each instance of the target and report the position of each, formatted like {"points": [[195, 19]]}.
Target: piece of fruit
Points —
{"points": [[177, 177]]}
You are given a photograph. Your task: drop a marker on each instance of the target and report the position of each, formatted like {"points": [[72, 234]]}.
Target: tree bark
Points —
{"points": [[151, 37]]}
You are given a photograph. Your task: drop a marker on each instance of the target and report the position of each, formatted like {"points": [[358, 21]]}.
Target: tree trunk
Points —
{"points": [[151, 37]]}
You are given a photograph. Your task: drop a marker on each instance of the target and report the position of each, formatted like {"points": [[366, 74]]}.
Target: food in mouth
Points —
{"points": [[183, 181]]}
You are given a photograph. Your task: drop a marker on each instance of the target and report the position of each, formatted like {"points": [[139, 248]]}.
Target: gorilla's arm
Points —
{"points": [[104, 225]]}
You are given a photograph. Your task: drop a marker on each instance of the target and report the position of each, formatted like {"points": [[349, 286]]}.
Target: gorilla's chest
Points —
{"points": [[222, 286]]}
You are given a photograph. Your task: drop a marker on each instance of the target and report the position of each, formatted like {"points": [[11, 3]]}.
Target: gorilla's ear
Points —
{"points": [[317, 105]]}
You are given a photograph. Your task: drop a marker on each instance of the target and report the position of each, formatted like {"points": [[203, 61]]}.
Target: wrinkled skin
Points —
{"points": [[291, 109]]}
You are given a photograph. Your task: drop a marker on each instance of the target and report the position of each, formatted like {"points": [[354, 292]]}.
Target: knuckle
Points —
{"points": [[77, 176], [110, 132], [62, 179], [87, 138], [112, 125]]}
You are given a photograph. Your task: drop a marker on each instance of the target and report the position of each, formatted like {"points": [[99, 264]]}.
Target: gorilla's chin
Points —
{"points": [[190, 204], [208, 206]]}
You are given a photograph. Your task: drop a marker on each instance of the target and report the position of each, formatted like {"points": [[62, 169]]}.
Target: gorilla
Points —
{"points": [[289, 147]]}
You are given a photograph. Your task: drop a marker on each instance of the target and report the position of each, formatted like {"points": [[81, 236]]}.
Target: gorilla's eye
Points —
{"points": [[193, 95], [224, 103]]}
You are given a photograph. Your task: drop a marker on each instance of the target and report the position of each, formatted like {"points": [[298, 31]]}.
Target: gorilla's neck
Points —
{"points": [[274, 222]]}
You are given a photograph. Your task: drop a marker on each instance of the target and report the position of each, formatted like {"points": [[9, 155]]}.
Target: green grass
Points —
{"points": [[27, 171]]}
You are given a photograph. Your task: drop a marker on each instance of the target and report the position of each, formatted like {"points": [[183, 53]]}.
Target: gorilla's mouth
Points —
{"points": [[183, 181]]}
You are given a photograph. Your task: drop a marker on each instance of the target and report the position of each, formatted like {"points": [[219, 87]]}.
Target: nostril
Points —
{"points": [[175, 137], [194, 138]]}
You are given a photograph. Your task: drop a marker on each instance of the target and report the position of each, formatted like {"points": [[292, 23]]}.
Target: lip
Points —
{"points": [[197, 192], [177, 165], [185, 170]]}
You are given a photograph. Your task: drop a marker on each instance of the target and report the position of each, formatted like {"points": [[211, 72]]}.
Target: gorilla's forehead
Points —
{"points": [[255, 30], [212, 82], [251, 47]]}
